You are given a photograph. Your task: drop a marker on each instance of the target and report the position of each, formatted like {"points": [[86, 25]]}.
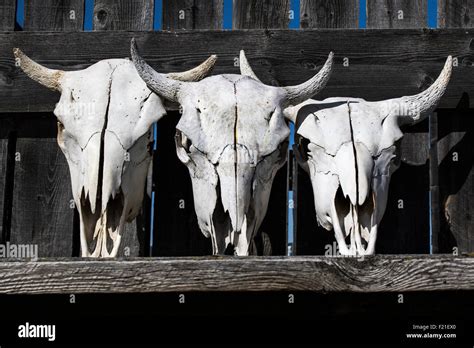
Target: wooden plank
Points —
{"points": [[456, 180], [383, 63], [192, 14], [3, 167], [54, 15], [455, 13], [7, 14], [456, 141], [404, 230], [397, 14], [41, 195], [263, 14], [329, 14], [123, 14], [397, 274], [42, 213]]}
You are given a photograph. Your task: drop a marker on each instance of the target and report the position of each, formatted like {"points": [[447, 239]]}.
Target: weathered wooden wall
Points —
{"points": [[455, 150], [405, 227], [35, 194], [375, 274]]}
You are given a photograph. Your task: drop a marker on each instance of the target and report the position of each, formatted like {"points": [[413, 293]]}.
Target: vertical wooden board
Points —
{"points": [[404, 230], [3, 167], [42, 212], [176, 231], [123, 14], [455, 13], [260, 14], [329, 14], [54, 15], [456, 141], [192, 14], [397, 14], [405, 226], [456, 180], [7, 15]]}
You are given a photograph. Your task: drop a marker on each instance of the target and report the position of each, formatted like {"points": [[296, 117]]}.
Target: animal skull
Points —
{"points": [[233, 138], [350, 148], [105, 114]]}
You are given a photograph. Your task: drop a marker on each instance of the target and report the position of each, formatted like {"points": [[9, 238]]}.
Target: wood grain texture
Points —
{"points": [[320, 274], [42, 213], [456, 179], [456, 138], [54, 15], [192, 14], [383, 63], [7, 14], [455, 13], [397, 14], [262, 14], [123, 14], [41, 206], [329, 14], [3, 167]]}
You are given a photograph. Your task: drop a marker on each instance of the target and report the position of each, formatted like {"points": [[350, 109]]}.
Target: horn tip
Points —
{"points": [[17, 52]]}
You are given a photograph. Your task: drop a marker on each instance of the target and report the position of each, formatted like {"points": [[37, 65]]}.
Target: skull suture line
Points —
{"points": [[105, 114], [233, 138], [350, 148]]}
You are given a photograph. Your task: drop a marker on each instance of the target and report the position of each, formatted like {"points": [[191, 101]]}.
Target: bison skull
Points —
{"points": [[233, 138], [350, 147], [105, 114]]}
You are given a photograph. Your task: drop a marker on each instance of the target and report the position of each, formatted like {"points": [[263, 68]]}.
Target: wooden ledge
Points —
{"points": [[380, 273]]}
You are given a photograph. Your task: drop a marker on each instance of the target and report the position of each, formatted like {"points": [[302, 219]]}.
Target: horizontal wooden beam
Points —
{"points": [[372, 64], [397, 273]]}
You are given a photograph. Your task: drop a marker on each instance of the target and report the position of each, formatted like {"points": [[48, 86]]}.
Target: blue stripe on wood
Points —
{"points": [[362, 14], [432, 13], [157, 25], [88, 15], [227, 20], [20, 13], [158, 15], [432, 22], [295, 18]]}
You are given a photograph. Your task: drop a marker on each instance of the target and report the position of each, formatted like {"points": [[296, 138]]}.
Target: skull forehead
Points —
{"points": [[222, 109], [109, 89], [329, 125]]}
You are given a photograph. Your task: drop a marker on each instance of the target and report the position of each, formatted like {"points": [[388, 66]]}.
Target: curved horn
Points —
{"points": [[418, 106], [245, 68], [158, 83], [197, 73], [301, 92], [50, 78]]}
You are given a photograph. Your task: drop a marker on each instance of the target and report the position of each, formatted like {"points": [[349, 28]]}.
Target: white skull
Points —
{"points": [[350, 148], [105, 114], [233, 138]]}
